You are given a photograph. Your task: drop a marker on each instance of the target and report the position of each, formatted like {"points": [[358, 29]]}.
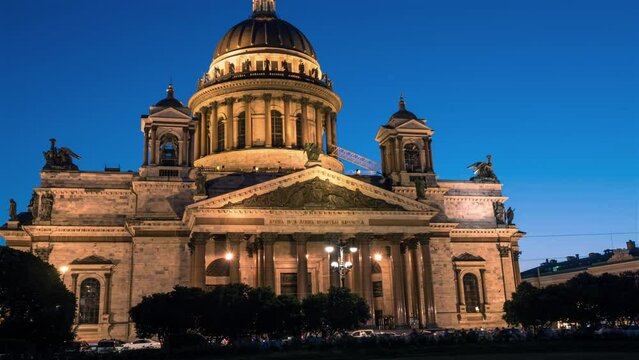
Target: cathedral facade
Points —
{"points": [[244, 184]]}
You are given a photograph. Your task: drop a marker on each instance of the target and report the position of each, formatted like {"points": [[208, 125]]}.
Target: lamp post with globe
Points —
{"points": [[341, 266]]}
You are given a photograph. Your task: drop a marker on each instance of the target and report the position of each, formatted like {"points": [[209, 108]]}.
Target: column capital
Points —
{"points": [[287, 97], [74, 276], [214, 104], [235, 236], [267, 97], [395, 238], [504, 251], [268, 237], [364, 237], [248, 98], [333, 237], [229, 100], [305, 101], [318, 105], [327, 110], [200, 238], [204, 110], [412, 243], [301, 237], [423, 239]]}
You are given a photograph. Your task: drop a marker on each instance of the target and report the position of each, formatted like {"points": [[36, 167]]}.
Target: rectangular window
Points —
{"points": [[274, 65], [260, 65], [378, 289]]}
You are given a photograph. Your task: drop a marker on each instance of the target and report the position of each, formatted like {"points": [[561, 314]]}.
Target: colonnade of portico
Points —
{"points": [[404, 260]]}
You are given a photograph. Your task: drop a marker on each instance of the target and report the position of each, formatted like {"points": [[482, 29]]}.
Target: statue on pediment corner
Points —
{"points": [[500, 213], [59, 159], [200, 183], [484, 172], [34, 205], [13, 214], [510, 216]]}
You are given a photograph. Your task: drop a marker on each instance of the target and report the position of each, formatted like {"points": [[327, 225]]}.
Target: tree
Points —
{"points": [[228, 312], [524, 307], [174, 313], [338, 311], [34, 303]]}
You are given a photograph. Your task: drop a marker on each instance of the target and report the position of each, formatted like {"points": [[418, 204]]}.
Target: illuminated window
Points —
{"points": [[277, 128], [89, 302], [471, 293], [412, 159]]}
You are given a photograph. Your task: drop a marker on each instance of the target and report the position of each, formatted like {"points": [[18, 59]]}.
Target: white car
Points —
{"points": [[142, 344], [363, 333]]}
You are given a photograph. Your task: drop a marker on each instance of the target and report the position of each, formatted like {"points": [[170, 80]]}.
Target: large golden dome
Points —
{"points": [[264, 30]]}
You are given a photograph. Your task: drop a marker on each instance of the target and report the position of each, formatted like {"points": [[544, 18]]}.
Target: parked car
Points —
{"points": [[142, 344], [362, 333], [74, 347], [108, 346]]}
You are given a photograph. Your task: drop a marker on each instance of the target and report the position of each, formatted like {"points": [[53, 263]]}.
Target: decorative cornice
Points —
{"points": [[460, 198], [230, 87]]}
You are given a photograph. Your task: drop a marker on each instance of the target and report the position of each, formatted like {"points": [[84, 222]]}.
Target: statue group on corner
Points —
{"points": [[313, 152], [13, 213], [484, 172], [200, 183], [60, 159], [503, 216]]}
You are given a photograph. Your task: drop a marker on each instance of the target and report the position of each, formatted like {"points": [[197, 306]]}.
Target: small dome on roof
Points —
{"points": [[170, 100], [402, 116]]}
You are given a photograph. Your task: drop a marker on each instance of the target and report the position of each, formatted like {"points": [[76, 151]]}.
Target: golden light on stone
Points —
{"points": [[378, 257], [329, 249], [228, 256], [64, 269]]}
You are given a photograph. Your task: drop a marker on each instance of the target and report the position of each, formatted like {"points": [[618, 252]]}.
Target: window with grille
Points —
{"points": [[277, 129], [89, 302]]}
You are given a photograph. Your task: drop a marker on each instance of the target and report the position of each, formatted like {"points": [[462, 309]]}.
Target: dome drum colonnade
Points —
{"points": [[272, 103]]}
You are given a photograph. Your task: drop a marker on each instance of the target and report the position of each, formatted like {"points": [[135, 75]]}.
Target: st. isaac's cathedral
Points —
{"points": [[244, 184]]}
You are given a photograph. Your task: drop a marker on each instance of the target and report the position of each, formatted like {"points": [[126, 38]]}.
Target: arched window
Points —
{"points": [[412, 159], [221, 134], [277, 129], [241, 130], [219, 268], [168, 150], [471, 293], [298, 131], [89, 302]]}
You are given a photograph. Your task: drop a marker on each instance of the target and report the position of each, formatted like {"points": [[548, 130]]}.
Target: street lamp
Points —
{"points": [[63, 270], [340, 266]]}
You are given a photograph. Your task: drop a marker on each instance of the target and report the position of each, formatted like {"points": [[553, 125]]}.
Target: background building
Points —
{"points": [[243, 184], [554, 272]]}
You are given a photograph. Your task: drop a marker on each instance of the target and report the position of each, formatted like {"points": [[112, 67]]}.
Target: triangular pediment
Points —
{"points": [[314, 189], [170, 113], [413, 125], [315, 194]]}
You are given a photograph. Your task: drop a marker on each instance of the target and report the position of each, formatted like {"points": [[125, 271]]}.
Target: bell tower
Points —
{"points": [[168, 139], [405, 144]]}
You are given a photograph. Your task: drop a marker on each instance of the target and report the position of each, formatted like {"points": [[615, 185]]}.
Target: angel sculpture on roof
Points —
{"points": [[60, 159], [484, 172]]}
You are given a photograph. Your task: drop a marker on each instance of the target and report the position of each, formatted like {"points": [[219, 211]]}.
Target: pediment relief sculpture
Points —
{"points": [[315, 194]]}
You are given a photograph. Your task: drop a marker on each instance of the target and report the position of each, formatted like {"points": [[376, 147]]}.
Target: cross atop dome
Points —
{"points": [[263, 7]]}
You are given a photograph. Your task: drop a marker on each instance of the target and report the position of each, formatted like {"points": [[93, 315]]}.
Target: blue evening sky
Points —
{"points": [[549, 87]]}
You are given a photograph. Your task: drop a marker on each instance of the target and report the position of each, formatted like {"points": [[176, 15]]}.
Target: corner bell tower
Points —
{"points": [[405, 144], [168, 139]]}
